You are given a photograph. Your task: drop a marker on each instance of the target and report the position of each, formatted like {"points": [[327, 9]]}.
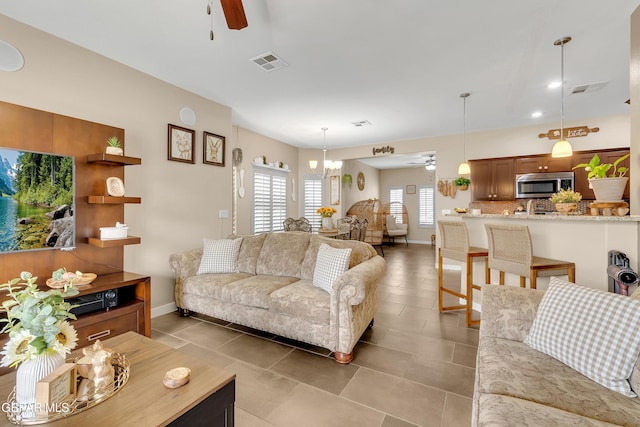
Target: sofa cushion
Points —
{"points": [[210, 285], [302, 300], [497, 410], [390, 220], [595, 332], [219, 256], [360, 252], [283, 253], [512, 368], [330, 264], [249, 253], [254, 290]]}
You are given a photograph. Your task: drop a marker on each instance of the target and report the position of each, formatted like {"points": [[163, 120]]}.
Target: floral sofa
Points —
{"points": [[517, 385], [273, 288]]}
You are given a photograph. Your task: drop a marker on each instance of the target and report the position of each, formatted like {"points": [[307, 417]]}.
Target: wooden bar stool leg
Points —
{"points": [[469, 289], [487, 272], [523, 282], [440, 284], [501, 278], [534, 279], [572, 274]]}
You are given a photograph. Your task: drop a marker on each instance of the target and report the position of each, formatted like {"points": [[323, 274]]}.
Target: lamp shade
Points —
{"points": [[313, 164], [464, 169], [562, 148]]}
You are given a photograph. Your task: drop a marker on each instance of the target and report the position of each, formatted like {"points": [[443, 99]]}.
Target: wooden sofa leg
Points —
{"points": [[184, 312], [343, 358]]}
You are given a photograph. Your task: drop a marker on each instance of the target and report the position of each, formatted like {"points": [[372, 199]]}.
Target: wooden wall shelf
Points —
{"points": [[108, 200], [130, 240], [111, 159]]}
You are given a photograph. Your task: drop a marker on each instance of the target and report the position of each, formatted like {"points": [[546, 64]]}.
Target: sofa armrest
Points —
{"points": [[508, 312], [352, 286], [185, 264]]}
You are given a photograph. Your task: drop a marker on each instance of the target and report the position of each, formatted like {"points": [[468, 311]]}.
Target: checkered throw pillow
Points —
{"points": [[596, 333], [219, 256], [330, 263]]}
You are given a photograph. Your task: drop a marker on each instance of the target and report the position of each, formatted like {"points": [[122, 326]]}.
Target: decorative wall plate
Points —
{"points": [[115, 186], [360, 181]]}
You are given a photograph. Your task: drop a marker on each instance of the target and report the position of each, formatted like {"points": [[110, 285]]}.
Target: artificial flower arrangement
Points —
{"points": [[37, 320], [566, 196], [326, 212]]}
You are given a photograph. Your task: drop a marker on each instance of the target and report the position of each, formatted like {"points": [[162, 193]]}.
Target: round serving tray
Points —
{"points": [[75, 406]]}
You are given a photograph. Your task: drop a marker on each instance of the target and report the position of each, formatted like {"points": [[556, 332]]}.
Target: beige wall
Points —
{"points": [[401, 178], [372, 188], [635, 110]]}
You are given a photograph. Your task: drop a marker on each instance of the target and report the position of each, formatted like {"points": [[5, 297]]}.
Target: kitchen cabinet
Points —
{"points": [[492, 179], [547, 163], [581, 183]]}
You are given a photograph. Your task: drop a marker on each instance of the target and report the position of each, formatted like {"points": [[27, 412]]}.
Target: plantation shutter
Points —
{"points": [[269, 199], [426, 206], [396, 194], [312, 199]]}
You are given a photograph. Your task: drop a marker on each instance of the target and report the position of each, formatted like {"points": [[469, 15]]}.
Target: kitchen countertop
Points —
{"points": [[554, 217]]}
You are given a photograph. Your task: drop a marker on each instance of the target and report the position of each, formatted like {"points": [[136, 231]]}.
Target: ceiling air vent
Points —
{"points": [[589, 87], [269, 61], [361, 123]]}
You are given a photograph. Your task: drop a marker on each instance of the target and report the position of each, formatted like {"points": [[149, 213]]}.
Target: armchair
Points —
{"points": [[393, 229]]}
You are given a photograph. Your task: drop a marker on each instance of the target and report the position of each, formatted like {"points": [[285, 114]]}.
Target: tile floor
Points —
{"points": [[414, 367]]}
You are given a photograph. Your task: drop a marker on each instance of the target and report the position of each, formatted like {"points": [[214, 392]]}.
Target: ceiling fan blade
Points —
{"points": [[234, 14]]}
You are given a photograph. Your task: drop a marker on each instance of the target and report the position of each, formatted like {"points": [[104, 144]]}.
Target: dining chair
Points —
{"points": [[300, 224], [511, 251], [454, 244]]}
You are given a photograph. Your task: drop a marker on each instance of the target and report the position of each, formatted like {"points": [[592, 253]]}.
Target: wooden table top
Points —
{"points": [[144, 400]]}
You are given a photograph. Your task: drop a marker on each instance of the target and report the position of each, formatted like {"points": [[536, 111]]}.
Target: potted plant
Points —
{"points": [[566, 200], [347, 179], [607, 179], [462, 183], [114, 146]]}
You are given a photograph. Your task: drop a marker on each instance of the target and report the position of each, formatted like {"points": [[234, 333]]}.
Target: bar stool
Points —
{"points": [[511, 251], [454, 244]]}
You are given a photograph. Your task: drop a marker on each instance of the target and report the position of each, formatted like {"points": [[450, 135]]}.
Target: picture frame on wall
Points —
{"points": [[411, 189], [213, 149], [181, 144], [335, 190]]}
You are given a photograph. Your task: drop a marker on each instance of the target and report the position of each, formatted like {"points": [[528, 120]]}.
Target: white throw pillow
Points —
{"points": [[330, 263], [391, 222], [219, 256], [597, 333]]}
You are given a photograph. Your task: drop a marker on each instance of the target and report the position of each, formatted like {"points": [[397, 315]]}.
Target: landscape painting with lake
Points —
{"points": [[37, 201]]}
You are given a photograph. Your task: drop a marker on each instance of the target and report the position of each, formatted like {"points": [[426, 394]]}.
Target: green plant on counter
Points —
{"points": [[462, 181], [597, 170], [113, 141], [566, 196]]}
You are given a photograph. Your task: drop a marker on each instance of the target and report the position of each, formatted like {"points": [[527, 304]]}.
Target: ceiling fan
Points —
{"points": [[234, 14], [429, 164]]}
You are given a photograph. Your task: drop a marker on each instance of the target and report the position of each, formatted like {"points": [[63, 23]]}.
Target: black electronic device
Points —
{"points": [[94, 302]]}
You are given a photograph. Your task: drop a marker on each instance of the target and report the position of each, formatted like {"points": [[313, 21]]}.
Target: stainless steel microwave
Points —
{"points": [[542, 185]]}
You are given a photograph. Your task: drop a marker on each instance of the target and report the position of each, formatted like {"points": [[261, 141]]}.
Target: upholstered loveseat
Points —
{"points": [[517, 385], [274, 289]]}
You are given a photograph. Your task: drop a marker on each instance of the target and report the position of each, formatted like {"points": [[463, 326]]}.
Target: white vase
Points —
{"points": [[29, 373], [327, 223], [608, 189]]}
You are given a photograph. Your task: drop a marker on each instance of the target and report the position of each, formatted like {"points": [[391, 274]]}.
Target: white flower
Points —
{"points": [[66, 339], [17, 349]]}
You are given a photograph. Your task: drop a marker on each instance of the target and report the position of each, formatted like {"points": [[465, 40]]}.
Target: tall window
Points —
{"points": [[426, 206], [396, 194], [312, 199], [269, 199]]}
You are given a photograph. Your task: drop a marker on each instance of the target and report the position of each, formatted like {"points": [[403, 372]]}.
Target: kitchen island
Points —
{"points": [[582, 239]]}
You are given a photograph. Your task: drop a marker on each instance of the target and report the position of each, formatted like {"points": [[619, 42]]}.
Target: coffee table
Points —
{"points": [[207, 400]]}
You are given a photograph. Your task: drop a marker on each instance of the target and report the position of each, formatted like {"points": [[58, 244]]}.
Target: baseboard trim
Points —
{"points": [[163, 309]]}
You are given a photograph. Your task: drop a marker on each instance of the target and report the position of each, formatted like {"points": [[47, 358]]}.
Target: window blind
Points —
{"points": [[426, 206]]}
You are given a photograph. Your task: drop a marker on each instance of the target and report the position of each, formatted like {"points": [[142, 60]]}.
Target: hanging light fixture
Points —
{"points": [[562, 148], [463, 168], [328, 165]]}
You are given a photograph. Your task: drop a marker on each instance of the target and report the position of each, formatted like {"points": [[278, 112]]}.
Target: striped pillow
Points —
{"points": [[596, 333], [219, 256], [330, 263]]}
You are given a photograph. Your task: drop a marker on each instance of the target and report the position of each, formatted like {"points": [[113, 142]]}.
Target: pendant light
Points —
{"points": [[562, 148], [463, 168]]}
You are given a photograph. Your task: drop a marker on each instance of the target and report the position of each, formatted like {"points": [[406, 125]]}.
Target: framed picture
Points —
{"points": [[411, 189], [57, 387], [213, 149], [181, 144], [335, 190]]}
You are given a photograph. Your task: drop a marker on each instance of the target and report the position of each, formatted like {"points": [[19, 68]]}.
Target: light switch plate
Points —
{"points": [[223, 213], [446, 211]]}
